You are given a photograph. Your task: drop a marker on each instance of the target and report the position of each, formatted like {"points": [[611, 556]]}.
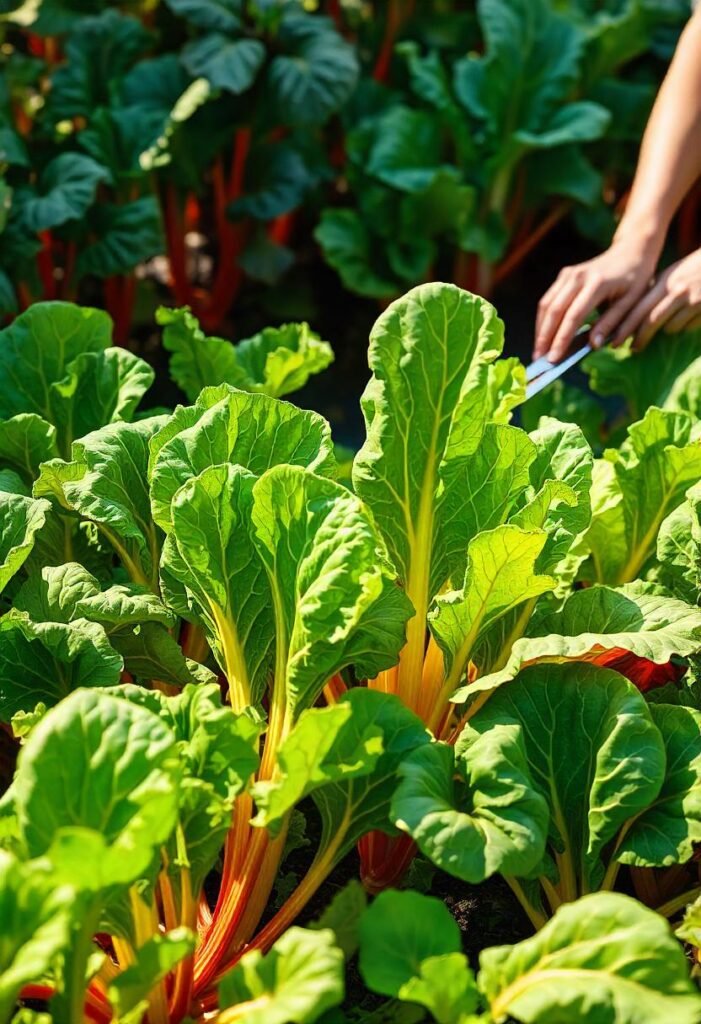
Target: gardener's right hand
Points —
{"points": [[616, 279]]}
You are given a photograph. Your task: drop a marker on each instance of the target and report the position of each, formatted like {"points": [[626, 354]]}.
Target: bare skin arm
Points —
{"points": [[621, 277]]}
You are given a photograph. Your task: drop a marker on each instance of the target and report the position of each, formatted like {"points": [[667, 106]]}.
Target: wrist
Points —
{"points": [[645, 231]]}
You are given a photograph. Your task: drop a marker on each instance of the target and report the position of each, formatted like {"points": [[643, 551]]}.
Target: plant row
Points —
{"points": [[221, 135], [481, 645]]}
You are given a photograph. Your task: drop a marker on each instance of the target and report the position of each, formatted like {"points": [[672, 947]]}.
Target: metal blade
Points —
{"points": [[537, 384]]}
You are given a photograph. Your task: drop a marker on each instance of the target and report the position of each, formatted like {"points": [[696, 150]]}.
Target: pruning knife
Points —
{"points": [[542, 372]]}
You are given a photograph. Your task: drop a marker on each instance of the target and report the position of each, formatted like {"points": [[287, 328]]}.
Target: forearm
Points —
{"points": [[670, 156]]}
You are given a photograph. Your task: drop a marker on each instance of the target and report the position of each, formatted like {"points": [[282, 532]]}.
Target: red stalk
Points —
{"points": [[517, 255], [643, 673], [395, 855], [119, 295], [175, 242], [45, 265], [280, 230], [392, 25]]}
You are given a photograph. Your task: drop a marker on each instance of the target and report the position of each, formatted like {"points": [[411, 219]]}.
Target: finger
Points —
{"points": [[572, 320], [552, 317], [656, 319], [607, 325], [638, 313], [681, 320], [549, 297]]}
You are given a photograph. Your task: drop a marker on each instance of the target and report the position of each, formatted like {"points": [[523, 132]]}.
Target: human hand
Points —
{"points": [[618, 277], [672, 303]]}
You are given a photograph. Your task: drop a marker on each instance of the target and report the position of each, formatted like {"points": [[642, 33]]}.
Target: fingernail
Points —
{"points": [[597, 339]]}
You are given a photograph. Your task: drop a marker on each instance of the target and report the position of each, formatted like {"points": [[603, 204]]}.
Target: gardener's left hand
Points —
{"points": [[672, 304]]}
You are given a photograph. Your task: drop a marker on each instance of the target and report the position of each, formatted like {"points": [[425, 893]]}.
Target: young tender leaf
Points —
{"points": [[400, 930], [116, 794], [295, 983], [224, 425], [335, 603], [309, 758], [635, 488], [106, 483], [591, 748], [493, 820], [599, 619], [500, 575], [425, 405], [155, 959], [275, 362], [212, 555], [351, 807], [20, 520], [36, 920], [602, 959], [45, 661], [665, 833]]}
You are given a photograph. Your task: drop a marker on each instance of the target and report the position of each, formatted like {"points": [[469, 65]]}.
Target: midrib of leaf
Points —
{"points": [[234, 660]]}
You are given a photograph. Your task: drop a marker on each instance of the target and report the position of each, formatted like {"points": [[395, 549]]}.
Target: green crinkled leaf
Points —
{"points": [[117, 793], [602, 959], [599, 619], [275, 362], [27, 440], [295, 983], [224, 425], [592, 750], [491, 820], [679, 549], [46, 661], [20, 520], [36, 920], [106, 483], [335, 603], [500, 575], [635, 487], [666, 831], [67, 188], [218, 753], [213, 15], [211, 552], [343, 916], [309, 758], [352, 807], [349, 247]]}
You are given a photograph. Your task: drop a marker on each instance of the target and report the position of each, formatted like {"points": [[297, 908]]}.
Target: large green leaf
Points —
{"points": [[27, 440], [275, 362], [106, 483], [225, 425], [36, 919], [313, 71], [635, 488], [20, 519], [604, 959], [665, 833], [598, 619], [229, 64], [45, 661], [56, 363], [679, 548], [295, 983], [491, 820], [592, 750], [334, 601], [127, 234], [309, 758], [117, 791], [67, 188]]}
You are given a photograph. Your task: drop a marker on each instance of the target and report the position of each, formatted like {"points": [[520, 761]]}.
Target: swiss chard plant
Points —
{"points": [[566, 775]]}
